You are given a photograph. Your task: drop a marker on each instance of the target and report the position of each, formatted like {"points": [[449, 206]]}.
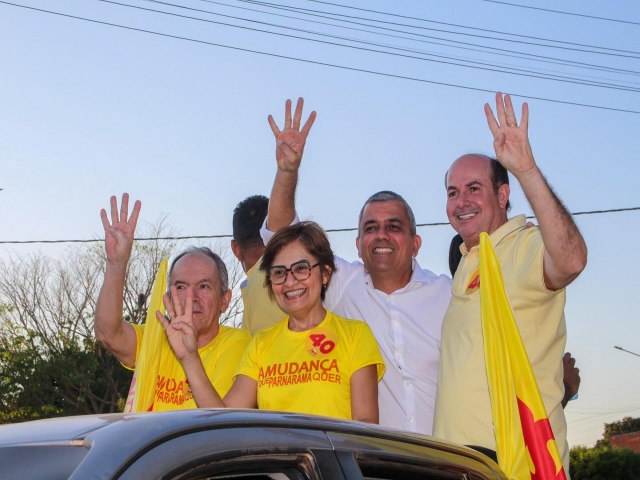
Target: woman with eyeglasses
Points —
{"points": [[313, 361]]}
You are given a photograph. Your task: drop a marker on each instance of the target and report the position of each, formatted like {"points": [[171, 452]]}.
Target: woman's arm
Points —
{"points": [[364, 394]]}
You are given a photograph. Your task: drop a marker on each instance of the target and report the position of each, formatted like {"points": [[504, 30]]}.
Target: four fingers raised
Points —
{"points": [[122, 216], [293, 123], [506, 116]]}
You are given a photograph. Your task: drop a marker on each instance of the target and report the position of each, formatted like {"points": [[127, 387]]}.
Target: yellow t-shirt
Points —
{"points": [[463, 405], [310, 372], [260, 311], [220, 358]]}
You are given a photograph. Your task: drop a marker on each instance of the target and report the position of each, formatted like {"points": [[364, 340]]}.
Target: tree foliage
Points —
{"points": [[604, 463], [50, 362], [626, 425]]}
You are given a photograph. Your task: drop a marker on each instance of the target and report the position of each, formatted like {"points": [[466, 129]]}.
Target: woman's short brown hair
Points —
{"points": [[312, 237]]}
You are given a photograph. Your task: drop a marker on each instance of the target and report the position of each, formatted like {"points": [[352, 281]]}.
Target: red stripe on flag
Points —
{"points": [[536, 434]]}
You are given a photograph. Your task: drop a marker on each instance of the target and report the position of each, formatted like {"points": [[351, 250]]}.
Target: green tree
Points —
{"points": [[604, 463], [626, 425], [38, 383]]}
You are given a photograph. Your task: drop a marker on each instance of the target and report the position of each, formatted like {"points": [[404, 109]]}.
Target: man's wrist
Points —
{"points": [[191, 359], [116, 268], [532, 173]]}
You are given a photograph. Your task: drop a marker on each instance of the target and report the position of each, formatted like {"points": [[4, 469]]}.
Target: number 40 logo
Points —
{"points": [[319, 342]]}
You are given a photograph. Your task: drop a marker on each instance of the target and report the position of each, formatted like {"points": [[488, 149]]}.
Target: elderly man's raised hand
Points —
{"points": [[119, 233], [178, 324], [291, 139], [510, 140]]}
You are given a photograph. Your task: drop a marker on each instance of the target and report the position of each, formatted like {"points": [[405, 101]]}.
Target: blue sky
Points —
{"points": [[89, 109]]}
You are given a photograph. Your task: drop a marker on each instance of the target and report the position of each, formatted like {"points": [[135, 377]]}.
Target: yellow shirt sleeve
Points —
{"points": [[260, 311]]}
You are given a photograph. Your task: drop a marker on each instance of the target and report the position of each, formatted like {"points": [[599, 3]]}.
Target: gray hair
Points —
{"points": [[385, 196], [207, 252]]}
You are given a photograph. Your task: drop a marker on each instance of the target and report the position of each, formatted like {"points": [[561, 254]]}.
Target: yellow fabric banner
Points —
{"points": [[154, 350], [525, 444]]}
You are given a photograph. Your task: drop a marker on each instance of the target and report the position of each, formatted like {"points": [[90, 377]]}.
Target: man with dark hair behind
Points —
{"points": [[248, 216], [260, 311]]}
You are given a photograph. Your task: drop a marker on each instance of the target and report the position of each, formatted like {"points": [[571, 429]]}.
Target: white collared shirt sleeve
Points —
{"points": [[266, 234]]}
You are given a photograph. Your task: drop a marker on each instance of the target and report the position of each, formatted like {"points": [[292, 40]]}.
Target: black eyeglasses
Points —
{"points": [[300, 270]]}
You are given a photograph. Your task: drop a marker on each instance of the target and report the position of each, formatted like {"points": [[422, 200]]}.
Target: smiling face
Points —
{"points": [[299, 298], [473, 206], [199, 273], [386, 245]]}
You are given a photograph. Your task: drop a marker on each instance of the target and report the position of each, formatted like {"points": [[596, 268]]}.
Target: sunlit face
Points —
{"points": [[472, 204], [385, 243], [299, 298], [199, 273]]}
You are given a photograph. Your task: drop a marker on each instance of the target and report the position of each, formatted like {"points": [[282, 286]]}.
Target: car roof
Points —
{"points": [[121, 437], [145, 426]]}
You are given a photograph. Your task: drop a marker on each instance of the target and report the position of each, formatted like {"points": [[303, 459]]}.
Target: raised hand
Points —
{"points": [[510, 141], [178, 324], [118, 235], [291, 139]]}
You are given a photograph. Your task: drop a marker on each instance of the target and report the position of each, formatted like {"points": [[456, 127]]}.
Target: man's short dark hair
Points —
{"points": [[207, 252], [455, 255], [248, 217], [499, 176], [385, 196]]}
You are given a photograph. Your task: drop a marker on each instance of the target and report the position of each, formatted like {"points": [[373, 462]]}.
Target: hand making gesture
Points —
{"points": [[118, 235], [510, 141], [178, 324], [115, 334], [291, 139]]}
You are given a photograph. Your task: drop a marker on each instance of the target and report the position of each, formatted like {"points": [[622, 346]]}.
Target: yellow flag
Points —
{"points": [[154, 349], [525, 444]]}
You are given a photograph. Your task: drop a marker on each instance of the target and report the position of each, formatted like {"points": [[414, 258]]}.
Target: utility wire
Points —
{"points": [[534, 74], [472, 47], [302, 10], [329, 230], [591, 411], [314, 62], [455, 43], [563, 13], [466, 26], [478, 65]]}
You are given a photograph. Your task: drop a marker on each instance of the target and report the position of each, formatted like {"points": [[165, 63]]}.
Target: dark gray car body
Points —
{"points": [[238, 444]]}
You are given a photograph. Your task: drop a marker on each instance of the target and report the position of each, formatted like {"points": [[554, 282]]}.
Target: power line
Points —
{"points": [[329, 230], [590, 411], [465, 26], [451, 44], [563, 13], [314, 62], [456, 43], [303, 10], [485, 66]]}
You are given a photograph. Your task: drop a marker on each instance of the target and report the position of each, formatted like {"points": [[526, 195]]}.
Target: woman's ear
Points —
{"points": [[326, 275]]}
